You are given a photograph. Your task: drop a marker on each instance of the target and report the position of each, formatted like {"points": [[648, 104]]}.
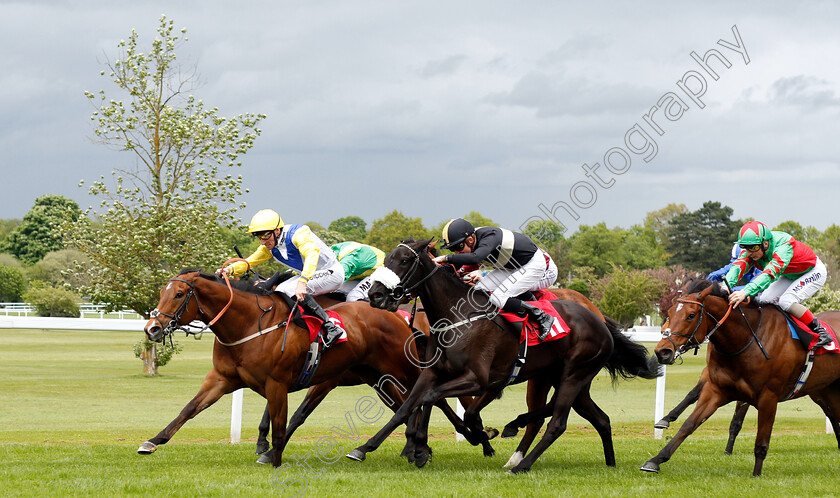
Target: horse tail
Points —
{"points": [[629, 359]]}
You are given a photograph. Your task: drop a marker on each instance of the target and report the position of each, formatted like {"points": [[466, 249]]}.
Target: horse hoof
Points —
{"points": [[262, 448], [421, 460], [356, 455], [517, 470], [509, 432], [147, 448], [491, 432], [490, 452], [650, 467], [264, 460], [662, 424]]}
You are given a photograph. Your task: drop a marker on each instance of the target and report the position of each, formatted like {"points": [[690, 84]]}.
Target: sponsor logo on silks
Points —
{"points": [[812, 278]]}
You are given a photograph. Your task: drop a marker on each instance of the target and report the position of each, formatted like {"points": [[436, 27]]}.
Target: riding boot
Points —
{"points": [[331, 331], [272, 281], [543, 319], [824, 339]]}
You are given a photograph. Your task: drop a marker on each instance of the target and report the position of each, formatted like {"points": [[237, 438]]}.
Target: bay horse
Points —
{"points": [[741, 408], [252, 349], [737, 369], [476, 356]]}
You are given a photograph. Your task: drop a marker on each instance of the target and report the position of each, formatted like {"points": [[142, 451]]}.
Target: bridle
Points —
{"points": [[691, 339], [400, 290], [175, 318]]}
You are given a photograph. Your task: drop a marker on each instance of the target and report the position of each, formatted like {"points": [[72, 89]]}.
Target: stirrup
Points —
{"points": [[823, 340]]}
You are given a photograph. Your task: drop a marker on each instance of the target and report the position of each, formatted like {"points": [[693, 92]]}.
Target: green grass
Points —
{"points": [[74, 408]]}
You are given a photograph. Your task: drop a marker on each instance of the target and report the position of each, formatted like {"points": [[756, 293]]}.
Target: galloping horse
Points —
{"points": [[255, 349], [737, 368], [477, 357]]}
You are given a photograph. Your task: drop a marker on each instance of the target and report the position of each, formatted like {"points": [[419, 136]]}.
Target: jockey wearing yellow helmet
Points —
{"points": [[298, 248], [790, 273]]}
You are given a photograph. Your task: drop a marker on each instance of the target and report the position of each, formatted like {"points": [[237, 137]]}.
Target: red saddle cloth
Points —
{"points": [[314, 325], [531, 330], [831, 348]]}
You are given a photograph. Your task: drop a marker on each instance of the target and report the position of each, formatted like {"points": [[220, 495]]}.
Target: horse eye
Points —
{"points": [[691, 316], [404, 261], [179, 295]]}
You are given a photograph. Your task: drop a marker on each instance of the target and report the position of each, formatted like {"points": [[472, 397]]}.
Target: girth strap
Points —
{"points": [[803, 377]]}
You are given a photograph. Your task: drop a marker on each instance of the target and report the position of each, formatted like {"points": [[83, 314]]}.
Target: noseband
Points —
{"points": [[175, 318], [400, 290], [691, 339]]}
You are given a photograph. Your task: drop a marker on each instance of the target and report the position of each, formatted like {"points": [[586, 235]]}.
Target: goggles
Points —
{"points": [[264, 235], [752, 248]]}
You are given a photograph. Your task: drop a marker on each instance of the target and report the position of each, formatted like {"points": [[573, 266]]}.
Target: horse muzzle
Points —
{"points": [[154, 330], [666, 356]]}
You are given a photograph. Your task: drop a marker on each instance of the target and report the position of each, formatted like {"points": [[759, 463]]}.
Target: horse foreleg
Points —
{"points": [[422, 451], [767, 406], [278, 406], [313, 398], [710, 401], [689, 400], [472, 419], [424, 382], [215, 385], [741, 408]]}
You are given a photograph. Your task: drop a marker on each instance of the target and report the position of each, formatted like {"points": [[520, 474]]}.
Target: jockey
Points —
{"points": [[298, 248], [791, 273], [358, 261], [518, 266], [719, 275]]}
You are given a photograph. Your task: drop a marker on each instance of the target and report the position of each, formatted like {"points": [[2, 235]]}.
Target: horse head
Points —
{"points": [[174, 310], [404, 269], [687, 325]]}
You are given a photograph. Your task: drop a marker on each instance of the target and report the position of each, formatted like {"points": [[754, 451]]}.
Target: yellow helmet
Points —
{"points": [[265, 220]]}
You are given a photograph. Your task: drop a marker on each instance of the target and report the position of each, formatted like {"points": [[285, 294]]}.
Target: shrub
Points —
{"points": [[824, 300], [50, 300], [12, 284], [625, 295], [165, 350], [580, 286]]}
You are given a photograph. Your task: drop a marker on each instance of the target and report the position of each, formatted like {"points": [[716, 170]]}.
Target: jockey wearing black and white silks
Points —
{"points": [[517, 265]]}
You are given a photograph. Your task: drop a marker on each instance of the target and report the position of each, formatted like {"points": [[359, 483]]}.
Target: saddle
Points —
{"points": [[528, 330], [798, 327]]}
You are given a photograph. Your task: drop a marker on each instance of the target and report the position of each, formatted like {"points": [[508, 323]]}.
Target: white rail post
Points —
{"points": [[236, 416], [659, 405]]}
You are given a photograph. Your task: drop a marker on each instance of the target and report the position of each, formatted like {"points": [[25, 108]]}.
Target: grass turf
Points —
{"points": [[75, 408]]}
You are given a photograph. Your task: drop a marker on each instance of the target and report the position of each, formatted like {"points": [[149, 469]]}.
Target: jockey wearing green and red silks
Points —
{"points": [[790, 273]]}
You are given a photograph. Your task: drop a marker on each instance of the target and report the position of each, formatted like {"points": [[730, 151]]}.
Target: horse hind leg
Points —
{"points": [[829, 400], [689, 400], [533, 420], [586, 408], [741, 408]]}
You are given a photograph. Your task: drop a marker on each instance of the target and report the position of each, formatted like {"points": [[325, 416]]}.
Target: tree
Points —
{"points": [[673, 279], [395, 227], [161, 215], [12, 284], [350, 227], [6, 227], [596, 246], [701, 240], [658, 220], [38, 233], [804, 234], [56, 268], [625, 295]]}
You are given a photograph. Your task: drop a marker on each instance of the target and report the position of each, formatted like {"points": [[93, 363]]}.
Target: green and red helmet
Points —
{"points": [[753, 233]]}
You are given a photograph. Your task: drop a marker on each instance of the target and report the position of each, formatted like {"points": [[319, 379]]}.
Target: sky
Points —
{"points": [[574, 112]]}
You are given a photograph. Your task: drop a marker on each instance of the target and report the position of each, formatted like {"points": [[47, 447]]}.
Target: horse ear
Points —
{"points": [[432, 245], [705, 292]]}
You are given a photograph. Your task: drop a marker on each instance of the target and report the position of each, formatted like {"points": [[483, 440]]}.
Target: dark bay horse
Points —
{"points": [[248, 353], [476, 356], [737, 369]]}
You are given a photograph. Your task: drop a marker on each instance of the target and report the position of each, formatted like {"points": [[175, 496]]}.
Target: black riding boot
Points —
{"points": [[331, 331], [825, 339], [543, 319]]}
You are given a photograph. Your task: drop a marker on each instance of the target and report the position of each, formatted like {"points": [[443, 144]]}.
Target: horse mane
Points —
{"points": [[411, 240], [242, 285], [697, 285]]}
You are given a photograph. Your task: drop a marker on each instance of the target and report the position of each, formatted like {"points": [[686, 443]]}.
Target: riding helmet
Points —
{"points": [[264, 221], [456, 231], [753, 233]]}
